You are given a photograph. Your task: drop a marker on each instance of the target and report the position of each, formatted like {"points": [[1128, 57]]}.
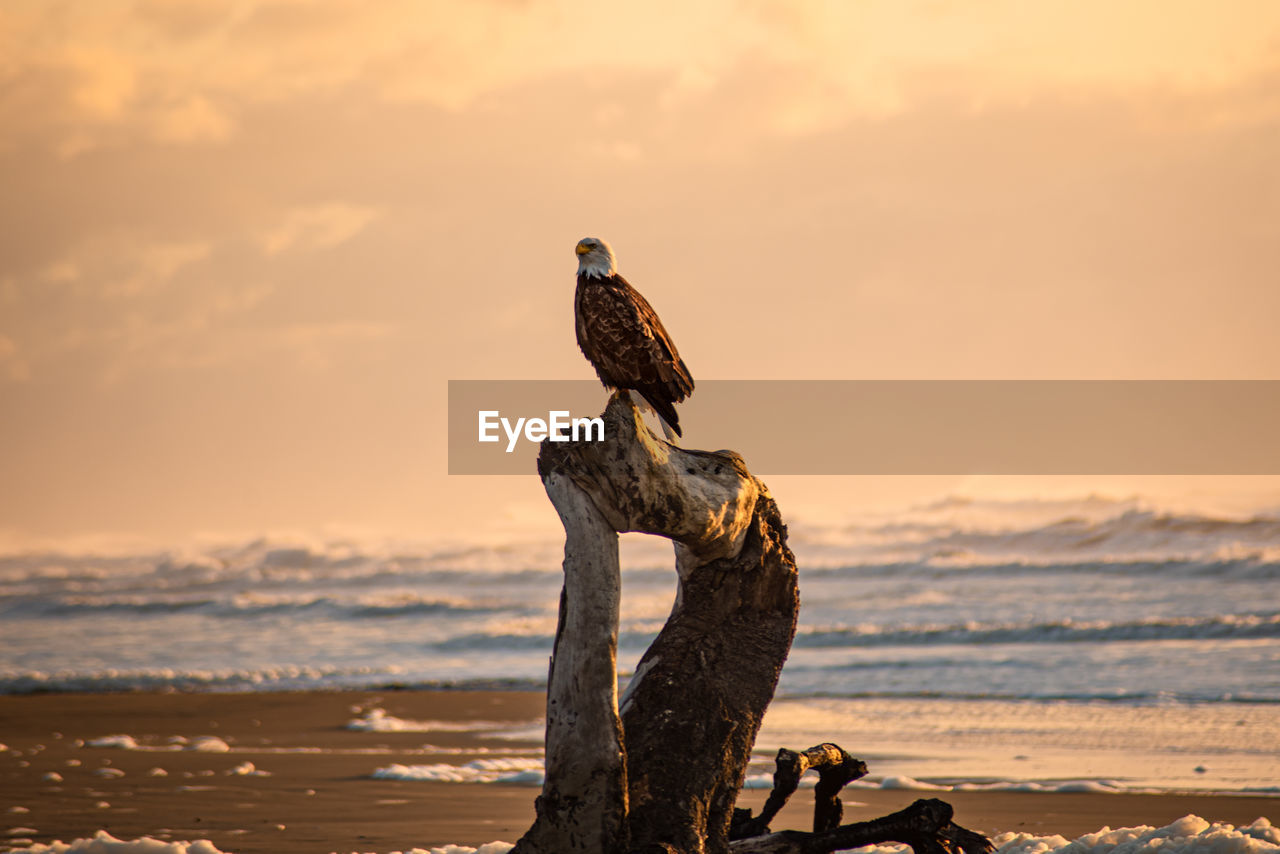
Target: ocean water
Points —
{"points": [[963, 641]]}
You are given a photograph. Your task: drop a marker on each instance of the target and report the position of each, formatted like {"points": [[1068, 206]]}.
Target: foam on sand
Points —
{"points": [[247, 769], [529, 772], [201, 743], [903, 782], [104, 843], [124, 742], [208, 744], [1188, 835], [912, 784], [377, 720], [510, 770]]}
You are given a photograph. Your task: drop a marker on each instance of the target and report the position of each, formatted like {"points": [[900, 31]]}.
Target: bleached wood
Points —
{"points": [[703, 500], [583, 805]]}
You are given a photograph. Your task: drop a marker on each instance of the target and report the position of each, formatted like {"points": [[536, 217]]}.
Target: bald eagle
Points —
{"points": [[622, 337]]}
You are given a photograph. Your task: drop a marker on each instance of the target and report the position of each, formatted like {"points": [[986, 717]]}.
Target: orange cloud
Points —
{"points": [[154, 265], [317, 227], [13, 366], [195, 119], [177, 72]]}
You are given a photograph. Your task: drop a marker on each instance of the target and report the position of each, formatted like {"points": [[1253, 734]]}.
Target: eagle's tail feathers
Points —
{"points": [[669, 433], [664, 409]]}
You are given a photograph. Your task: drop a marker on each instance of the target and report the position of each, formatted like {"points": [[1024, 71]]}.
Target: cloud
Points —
{"points": [[154, 265], [178, 73], [196, 341], [312, 345], [194, 119], [110, 305], [13, 367], [317, 227], [206, 337], [60, 272], [106, 82]]}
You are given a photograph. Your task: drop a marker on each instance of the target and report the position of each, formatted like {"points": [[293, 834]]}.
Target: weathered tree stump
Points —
{"points": [[662, 775], [695, 703]]}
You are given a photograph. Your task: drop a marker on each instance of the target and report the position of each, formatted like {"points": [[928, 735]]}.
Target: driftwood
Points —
{"points": [[835, 770], [925, 826], [583, 805], [660, 775]]}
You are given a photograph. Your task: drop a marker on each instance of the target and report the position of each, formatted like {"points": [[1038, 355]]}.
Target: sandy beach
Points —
{"points": [[318, 793]]}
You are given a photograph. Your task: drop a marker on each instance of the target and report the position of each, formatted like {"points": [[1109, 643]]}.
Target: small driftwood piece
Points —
{"points": [[925, 826], [835, 770]]}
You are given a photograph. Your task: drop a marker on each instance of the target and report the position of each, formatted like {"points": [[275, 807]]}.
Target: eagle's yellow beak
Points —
{"points": [[582, 249]]}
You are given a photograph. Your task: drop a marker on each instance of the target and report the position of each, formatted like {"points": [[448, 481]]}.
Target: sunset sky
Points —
{"points": [[245, 245]]}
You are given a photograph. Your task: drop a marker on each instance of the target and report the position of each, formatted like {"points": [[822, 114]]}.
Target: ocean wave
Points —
{"points": [[1092, 531], [953, 532], [1242, 626], [169, 679], [265, 679], [243, 605], [1089, 696], [330, 679], [1244, 568]]}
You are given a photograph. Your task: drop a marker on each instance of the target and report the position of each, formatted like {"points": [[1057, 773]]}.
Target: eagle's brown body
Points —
{"points": [[623, 339]]}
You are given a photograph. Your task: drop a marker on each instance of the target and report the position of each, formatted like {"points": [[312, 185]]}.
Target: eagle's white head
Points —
{"points": [[595, 258]]}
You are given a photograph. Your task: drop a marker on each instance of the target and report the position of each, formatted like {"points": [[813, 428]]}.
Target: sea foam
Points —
{"points": [[377, 720], [529, 772], [506, 770], [1188, 835], [104, 843]]}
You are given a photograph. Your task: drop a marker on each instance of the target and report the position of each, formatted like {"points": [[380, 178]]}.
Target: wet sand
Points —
{"points": [[319, 796]]}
